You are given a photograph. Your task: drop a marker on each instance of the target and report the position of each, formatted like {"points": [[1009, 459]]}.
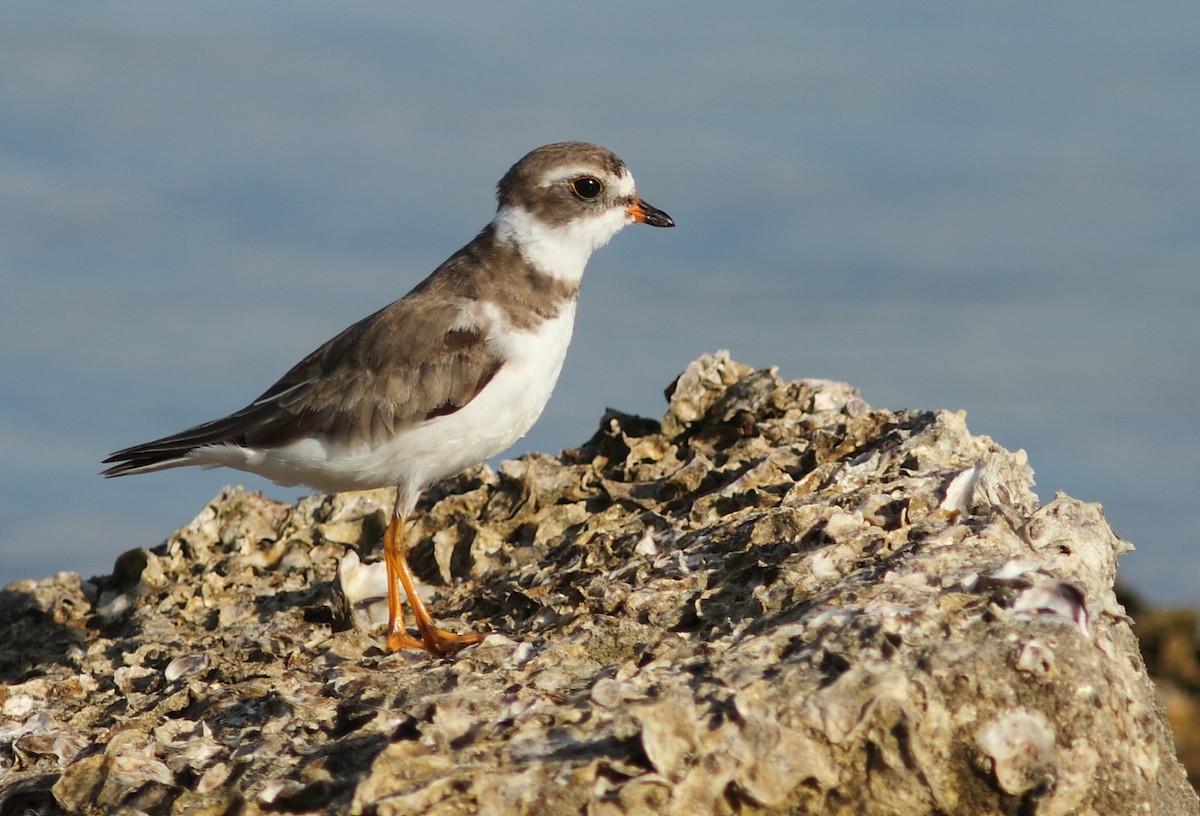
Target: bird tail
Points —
{"points": [[175, 450]]}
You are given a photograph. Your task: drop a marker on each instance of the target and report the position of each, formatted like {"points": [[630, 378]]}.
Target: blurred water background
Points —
{"points": [[987, 207]]}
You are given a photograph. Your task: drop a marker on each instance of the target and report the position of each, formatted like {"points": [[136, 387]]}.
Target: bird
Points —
{"points": [[440, 380]]}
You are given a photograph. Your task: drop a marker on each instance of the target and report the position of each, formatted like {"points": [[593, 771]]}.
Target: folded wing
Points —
{"points": [[390, 370]]}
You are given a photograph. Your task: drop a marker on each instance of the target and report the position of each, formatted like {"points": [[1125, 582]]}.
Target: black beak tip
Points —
{"points": [[658, 218]]}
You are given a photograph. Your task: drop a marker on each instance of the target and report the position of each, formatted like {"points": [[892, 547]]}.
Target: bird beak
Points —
{"points": [[643, 213]]}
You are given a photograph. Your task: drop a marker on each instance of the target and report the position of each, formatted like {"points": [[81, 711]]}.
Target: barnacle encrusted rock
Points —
{"points": [[776, 600]]}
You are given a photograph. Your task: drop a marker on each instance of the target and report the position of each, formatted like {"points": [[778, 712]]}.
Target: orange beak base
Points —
{"points": [[643, 213]]}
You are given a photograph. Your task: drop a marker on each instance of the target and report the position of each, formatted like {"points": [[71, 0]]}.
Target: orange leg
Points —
{"points": [[435, 640]]}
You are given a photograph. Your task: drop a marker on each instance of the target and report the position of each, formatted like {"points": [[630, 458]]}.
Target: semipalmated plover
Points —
{"points": [[440, 380]]}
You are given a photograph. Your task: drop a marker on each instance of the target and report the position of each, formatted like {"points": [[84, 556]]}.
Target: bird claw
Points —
{"points": [[437, 642]]}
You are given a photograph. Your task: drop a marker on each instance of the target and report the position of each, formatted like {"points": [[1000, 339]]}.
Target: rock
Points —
{"points": [[1170, 642], [777, 600]]}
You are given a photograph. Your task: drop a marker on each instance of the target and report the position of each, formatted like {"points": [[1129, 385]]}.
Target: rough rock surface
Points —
{"points": [[1170, 642], [777, 600]]}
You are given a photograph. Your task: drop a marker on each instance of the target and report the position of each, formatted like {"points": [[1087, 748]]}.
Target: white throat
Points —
{"points": [[563, 251]]}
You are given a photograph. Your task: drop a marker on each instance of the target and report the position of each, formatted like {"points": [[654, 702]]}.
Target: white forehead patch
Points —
{"points": [[623, 186]]}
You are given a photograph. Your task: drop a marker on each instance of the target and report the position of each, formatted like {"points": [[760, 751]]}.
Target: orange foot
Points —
{"points": [[435, 641]]}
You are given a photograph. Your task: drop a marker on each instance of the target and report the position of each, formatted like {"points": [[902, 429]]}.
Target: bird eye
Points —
{"points": [[586, 187]]}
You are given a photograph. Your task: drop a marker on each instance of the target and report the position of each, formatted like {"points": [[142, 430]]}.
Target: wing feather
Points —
{"points": [[397, 367]]}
